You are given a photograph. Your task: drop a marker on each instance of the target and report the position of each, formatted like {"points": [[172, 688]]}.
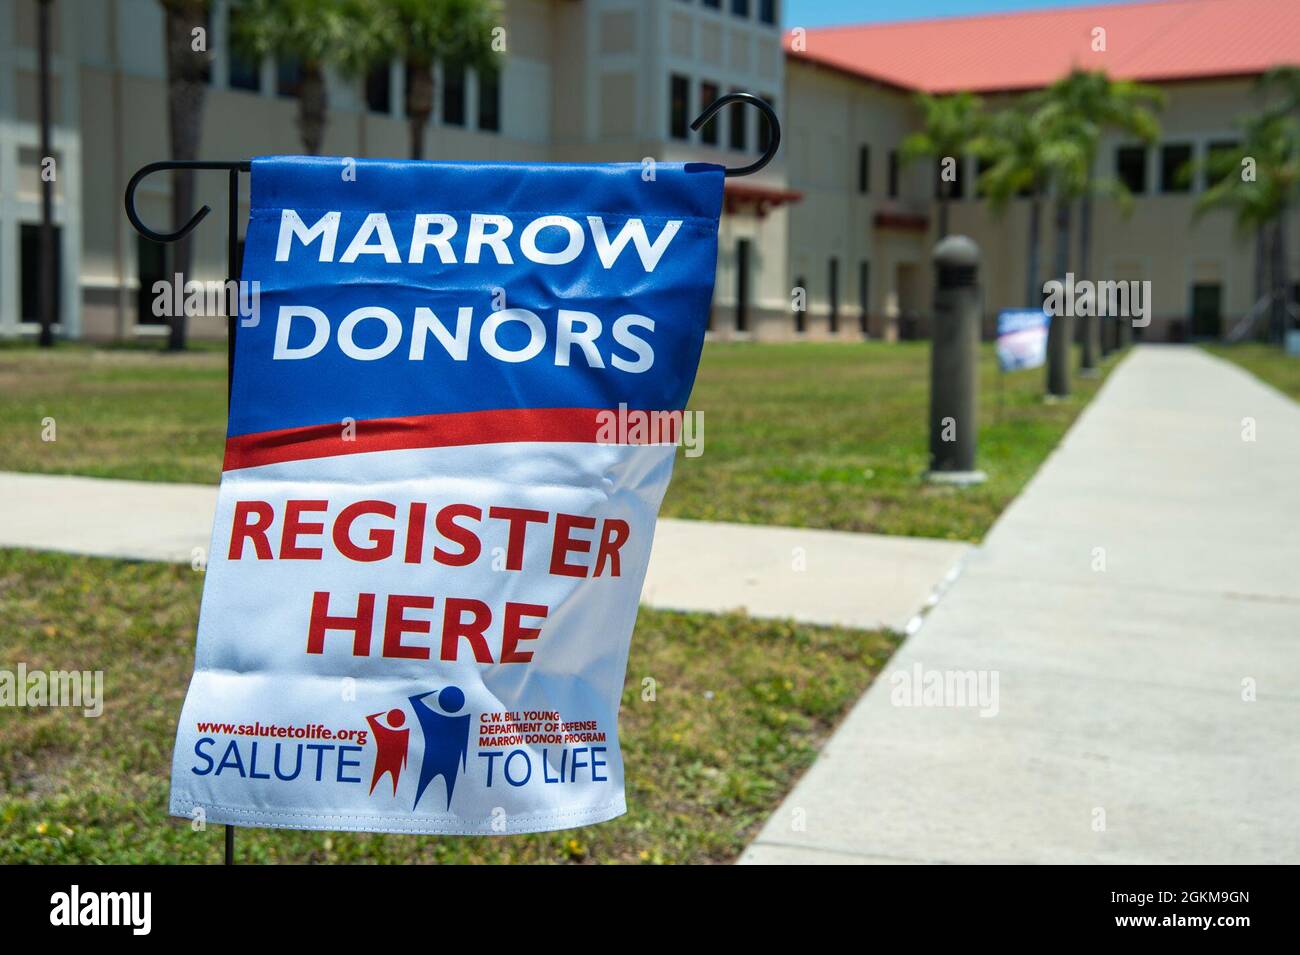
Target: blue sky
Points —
{"points": [[824, 13]]}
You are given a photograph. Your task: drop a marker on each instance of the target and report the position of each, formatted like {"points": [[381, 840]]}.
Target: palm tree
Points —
{"points": [[949, 124], [187, 69], [1282, 82], [1068, 139], [1011, 149], [1103, 103], [1260, 182], [1261, 211], [421, 32], [1066, 142], [313, 34]]}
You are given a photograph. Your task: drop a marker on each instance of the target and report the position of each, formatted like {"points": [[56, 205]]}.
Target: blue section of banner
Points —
{"points": [[419, 202]]}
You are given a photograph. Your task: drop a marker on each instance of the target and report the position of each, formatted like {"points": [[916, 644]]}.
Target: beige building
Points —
{"points": [[835, 221]]}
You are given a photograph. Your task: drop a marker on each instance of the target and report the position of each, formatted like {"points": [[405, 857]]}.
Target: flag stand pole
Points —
{"points": [[234, 168]]}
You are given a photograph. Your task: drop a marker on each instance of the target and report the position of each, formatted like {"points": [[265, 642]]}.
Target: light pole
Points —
{"points": [[47, 181]]}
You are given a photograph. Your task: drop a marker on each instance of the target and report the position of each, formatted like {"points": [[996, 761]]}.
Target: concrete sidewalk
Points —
{"points": [[1121, 731], [862, 580]]}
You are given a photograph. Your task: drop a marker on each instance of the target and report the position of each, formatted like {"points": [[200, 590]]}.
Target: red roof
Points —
{"points": [[1169, 40]]}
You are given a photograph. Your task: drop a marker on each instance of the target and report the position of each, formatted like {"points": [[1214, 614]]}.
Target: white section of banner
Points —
{"points": [[274, 735]]}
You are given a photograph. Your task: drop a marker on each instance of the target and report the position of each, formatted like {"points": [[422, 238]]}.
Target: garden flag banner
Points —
{"points": [[1022, 338], [457, 389]]}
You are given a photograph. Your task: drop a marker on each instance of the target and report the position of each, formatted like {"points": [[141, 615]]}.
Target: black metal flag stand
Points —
{"points": [[234, 168]]}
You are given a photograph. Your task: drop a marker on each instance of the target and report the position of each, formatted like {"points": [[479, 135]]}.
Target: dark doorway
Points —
{"points": [[1207, 310], [742, 285], [30, 265], [833, 295], [864, 296]]}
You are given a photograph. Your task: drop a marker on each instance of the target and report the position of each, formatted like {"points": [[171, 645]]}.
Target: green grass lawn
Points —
{"points": [[817, 435], [836, 435], [740, 709], [117, 413], [1266, 362]]}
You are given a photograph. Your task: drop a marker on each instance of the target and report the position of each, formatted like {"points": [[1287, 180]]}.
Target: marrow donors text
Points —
{"points": [[427, 553]]}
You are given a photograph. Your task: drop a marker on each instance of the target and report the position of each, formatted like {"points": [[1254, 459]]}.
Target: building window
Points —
{"points": [[1131, 168], [288, 77], [764, 128], [736, 122], [29, 241], [205, 71], [893, 174], [801, 314], [709, 131], [767, 11], [833, 294], [489, 100], [679, 97], [864, 170], [864, 294], [1174, 169], [1219, 160], [243, 74], [712, 4], [740, 8], [956, 189], [379, 89], [453, 93]]}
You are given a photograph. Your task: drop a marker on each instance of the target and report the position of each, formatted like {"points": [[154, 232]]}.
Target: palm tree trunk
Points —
{"points": [[1092, 345], [1033, 291], [419, 104], [1263, 264], [1281, 287], [945, 194], [1060, 332], [313, 101], [185, 89]]}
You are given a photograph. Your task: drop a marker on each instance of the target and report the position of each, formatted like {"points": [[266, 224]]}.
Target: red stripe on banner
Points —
{"points": [[426, 431]]}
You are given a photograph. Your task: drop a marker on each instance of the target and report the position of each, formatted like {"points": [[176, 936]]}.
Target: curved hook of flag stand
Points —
{"points": [[234, 168], [773, 125]]}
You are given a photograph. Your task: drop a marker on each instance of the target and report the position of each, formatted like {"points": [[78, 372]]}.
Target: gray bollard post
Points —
{"points": [[1060, 343], [954, 363], [1092, 348], [1123, 333]]}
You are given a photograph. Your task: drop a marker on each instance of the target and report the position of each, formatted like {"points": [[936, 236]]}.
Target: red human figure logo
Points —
{"points": [[390, 743]]}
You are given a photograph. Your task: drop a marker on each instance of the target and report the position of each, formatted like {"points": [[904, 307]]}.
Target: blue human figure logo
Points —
{"points": [[446, 739]]}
